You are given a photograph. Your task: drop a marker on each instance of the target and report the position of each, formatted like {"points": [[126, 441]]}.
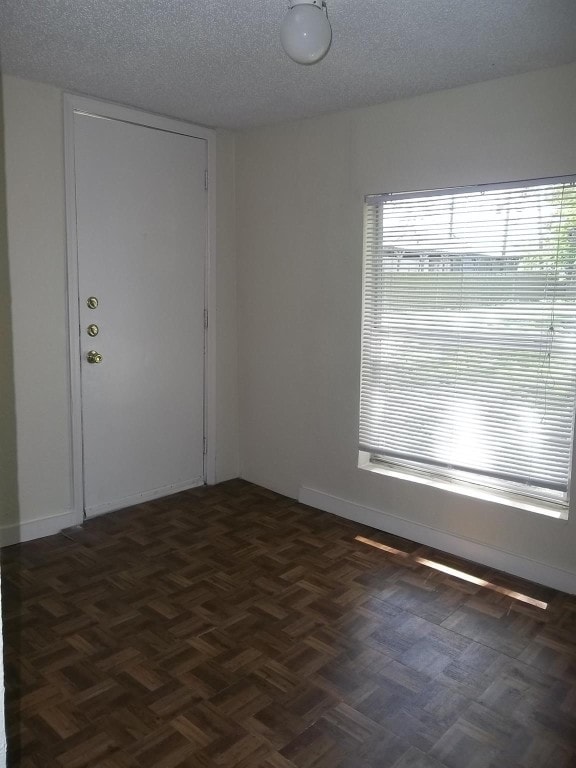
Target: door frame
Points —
{"points": [[73, 104]]}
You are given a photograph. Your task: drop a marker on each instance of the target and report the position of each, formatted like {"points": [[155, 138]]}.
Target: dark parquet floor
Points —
{"points": [[230, 626]]}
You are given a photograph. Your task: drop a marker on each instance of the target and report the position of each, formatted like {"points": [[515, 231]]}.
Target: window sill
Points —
{"points": [[550, 509]]}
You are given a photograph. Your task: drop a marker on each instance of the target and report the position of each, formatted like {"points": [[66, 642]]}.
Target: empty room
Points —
{"points": [[288, 383]]}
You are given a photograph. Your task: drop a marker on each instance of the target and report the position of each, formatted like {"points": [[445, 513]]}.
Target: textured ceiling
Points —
{"points": [[220, 63]]}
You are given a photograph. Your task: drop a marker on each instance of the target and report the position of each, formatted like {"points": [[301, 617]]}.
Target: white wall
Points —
{"points": [[300, 191], [36, 243]]}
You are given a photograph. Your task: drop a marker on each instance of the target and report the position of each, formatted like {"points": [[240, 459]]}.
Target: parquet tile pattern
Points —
{"points": [[233, 627]]}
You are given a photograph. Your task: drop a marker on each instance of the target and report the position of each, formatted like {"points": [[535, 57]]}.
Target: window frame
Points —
{"points": [[456, 481]]}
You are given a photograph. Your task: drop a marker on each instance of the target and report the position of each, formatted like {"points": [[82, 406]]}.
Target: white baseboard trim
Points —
{"points": [[516, 565], [18, 533], [140, 498]]}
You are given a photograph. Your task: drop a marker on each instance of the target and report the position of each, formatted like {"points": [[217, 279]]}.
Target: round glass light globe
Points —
{"points": [[306, 34]]}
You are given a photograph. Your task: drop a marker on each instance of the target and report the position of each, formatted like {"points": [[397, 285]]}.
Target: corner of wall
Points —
{"points": [[8, 468], [226, 340], [9, 512]]}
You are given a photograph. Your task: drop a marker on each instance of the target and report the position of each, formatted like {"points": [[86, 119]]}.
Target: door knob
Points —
{"points": [[92, 329], [94, 357], [92, 302]]}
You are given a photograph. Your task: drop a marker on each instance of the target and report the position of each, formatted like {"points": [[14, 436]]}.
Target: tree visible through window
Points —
{"points": [[469, 335]]}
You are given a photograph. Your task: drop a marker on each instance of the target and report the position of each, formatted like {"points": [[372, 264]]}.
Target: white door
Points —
{"points": [[141, 229]]}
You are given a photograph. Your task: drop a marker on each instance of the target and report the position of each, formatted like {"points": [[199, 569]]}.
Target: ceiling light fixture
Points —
{"points": [[305, 32]]}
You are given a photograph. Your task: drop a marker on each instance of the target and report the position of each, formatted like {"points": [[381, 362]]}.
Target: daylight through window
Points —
{"points": [[469, 335]]}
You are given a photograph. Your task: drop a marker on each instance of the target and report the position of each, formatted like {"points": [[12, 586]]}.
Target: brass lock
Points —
{"points": [[92, 302], [94, 357], [92, 330]]}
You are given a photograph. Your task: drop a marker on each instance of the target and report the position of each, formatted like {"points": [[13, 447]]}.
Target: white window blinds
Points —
{"points": [[469, 334]]}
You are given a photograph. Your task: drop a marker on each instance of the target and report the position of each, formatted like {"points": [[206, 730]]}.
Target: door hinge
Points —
{"points": [[206, 179], [205, 318], [205, 446]]}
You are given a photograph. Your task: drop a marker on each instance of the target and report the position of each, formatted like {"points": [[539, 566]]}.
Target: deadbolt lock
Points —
{"points": [[92, 330], [94, 357], [92, 302]]}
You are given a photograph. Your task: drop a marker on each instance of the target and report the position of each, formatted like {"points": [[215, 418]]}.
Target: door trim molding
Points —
{"points": [[81, 104]]}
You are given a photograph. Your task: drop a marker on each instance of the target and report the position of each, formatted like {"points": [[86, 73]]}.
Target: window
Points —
{"points": [[469, 338]]}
